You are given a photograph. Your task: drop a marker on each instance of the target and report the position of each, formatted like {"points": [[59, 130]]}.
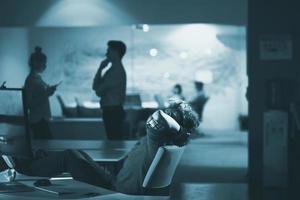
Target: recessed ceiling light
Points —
{"points": [[153, 52], [183, 55], [146, 27]]}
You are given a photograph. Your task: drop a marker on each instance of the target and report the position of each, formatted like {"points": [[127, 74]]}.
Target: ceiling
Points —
{"points": [[110, 12]]}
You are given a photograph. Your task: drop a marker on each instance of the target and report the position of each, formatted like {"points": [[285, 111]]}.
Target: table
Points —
{"points": [[78, 189], [107, 153], [90, 118], [77, 128], [102, 151], [83, 144]]}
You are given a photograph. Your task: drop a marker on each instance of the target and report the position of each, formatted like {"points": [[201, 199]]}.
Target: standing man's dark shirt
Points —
{"points": [[111, 88]]}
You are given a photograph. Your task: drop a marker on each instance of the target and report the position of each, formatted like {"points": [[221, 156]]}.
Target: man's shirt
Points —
{"points": [[131, 176], [111, 88]]}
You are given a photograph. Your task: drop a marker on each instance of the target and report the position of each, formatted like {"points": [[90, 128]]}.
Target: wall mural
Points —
{"points": [[156, 59]]}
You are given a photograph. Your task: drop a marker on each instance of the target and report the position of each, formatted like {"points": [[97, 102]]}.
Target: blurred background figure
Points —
{"points": [[38, 93], [177, 92], [199, 101]]}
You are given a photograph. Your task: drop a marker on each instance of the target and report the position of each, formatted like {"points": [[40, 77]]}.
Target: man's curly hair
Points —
{"points": [[186, 117], [183, 114]]}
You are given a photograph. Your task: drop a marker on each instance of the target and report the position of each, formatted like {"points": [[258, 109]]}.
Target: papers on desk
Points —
{"points": [[14, 186], [54, 190], [69, 188]]}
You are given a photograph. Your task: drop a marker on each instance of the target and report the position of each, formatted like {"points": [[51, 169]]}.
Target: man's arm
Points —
{"points": [[97, 79], [115, 79], [97, 82], [158, 124]]}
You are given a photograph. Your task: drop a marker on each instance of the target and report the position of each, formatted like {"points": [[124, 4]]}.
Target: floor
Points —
{"points": [[213, 167]]}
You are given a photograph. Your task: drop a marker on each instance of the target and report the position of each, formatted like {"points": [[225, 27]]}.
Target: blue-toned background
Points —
{"points": [[155, 61]]}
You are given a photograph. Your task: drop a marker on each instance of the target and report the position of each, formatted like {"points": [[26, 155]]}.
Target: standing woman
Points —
{"points": [[38, 93]]}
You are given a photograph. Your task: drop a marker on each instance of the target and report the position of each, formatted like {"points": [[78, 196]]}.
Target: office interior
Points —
{"points": [[244, 52]]}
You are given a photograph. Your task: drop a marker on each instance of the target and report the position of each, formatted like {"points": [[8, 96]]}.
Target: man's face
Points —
{"points": [[176, 90], [112, 54]]}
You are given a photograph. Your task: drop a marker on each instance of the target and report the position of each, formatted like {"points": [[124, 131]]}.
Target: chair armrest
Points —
{"points": [[153, 167]]}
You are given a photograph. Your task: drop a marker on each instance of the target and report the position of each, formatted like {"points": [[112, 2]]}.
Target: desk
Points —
{"points": [[104, 151], [89, 125], [79, 190], [83, 144], [107, 153], [77, 128], [112, 159]]}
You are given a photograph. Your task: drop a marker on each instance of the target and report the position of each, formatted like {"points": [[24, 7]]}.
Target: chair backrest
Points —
{"points": [[66, 111], [61, 103], [133, 100], [159, 100], [163, 166]]}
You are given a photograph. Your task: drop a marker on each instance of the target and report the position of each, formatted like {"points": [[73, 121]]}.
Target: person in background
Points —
{"points": [[200, 100], [177, 92], [37, 95], [111, 88]]}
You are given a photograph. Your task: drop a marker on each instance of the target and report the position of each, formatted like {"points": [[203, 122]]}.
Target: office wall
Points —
{"points": [[213, 54], [13, 56], [183, 51], [74, 55], [54, 13]]}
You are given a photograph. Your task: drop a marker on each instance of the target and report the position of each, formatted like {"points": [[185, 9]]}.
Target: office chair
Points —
{"points": [[159, 100], [133, 100], [66, 111], [161, 171], [11, 173]]}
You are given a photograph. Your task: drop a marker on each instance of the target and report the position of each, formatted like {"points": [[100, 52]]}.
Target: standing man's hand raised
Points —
{"points": [[104, 63]]}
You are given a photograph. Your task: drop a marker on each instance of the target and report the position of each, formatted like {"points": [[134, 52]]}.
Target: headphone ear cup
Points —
{"points": [[168, 111], [182, 137]]}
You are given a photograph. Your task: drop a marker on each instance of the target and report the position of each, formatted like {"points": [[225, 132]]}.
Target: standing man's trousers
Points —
{"points": [[113, 118]]}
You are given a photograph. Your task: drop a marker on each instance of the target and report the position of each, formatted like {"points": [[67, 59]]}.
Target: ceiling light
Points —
{"points": [[153, 52], [183, 55], [146, 27]]}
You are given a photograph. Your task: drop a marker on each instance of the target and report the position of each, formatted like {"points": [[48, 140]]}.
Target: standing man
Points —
{"points": [[111, 88]]}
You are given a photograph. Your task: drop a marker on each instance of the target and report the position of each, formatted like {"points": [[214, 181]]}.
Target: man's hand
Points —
{"points": [[97, 77], [104, 64], [161, 121], [171, 123]]}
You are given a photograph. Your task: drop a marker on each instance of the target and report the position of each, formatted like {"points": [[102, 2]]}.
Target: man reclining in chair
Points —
{"points": [[170, 126]]}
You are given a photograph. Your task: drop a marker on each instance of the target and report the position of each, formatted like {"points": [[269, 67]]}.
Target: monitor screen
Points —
{"points": [[14, 130]]}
